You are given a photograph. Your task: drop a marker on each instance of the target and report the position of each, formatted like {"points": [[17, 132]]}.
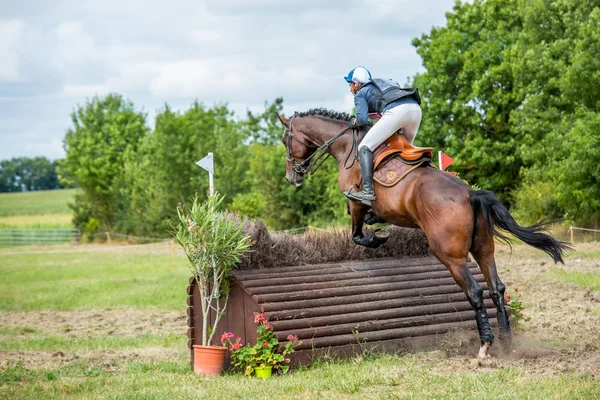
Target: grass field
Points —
{"points": [[40, 209], [110, 323]]}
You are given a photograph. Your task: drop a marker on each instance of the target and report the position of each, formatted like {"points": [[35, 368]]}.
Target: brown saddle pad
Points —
{"points": [[393, 169], [397, 144]]}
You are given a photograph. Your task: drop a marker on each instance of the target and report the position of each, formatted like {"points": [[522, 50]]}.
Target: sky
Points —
{"points": [[54, 55]]}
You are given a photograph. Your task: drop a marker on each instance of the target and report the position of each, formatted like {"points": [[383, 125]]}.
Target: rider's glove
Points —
{"points": [[352, 123]]}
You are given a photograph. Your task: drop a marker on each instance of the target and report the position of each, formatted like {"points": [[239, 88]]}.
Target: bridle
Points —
{"points": [[321, 154]]}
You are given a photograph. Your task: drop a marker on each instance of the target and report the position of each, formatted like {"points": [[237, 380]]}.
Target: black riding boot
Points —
{"points": [[367, 194]]}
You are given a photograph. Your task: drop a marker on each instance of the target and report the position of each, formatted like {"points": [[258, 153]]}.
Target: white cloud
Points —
{"points": [[74, 46], [84, 90], [235, 51], [11, 36]]}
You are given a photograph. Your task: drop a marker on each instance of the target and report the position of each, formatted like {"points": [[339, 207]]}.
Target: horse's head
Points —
{"points": [[298, 148]]}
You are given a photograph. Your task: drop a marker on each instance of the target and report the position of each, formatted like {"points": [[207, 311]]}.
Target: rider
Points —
{"points": [[399, 108]]}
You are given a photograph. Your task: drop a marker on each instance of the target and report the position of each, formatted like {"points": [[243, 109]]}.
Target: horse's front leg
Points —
{"points": [[358, 212]]}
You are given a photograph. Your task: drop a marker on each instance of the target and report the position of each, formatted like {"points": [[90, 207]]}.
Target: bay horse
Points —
{"points": [[455, 218]]}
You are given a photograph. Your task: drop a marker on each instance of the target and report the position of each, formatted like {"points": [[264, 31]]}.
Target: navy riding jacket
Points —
{"points": [[365, 101]]}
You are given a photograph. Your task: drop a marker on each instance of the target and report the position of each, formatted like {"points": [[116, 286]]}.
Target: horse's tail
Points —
{"points": [[498, 218]]}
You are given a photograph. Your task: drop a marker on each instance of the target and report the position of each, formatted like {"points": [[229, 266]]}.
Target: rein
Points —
{"points": [[321, 154]]}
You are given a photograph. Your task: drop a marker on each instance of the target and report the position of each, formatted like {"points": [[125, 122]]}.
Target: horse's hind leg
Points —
{"points": [[483, 252], [453, 254]]}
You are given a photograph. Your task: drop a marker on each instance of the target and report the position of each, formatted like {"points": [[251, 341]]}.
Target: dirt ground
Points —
{"points": [[561, 337]]}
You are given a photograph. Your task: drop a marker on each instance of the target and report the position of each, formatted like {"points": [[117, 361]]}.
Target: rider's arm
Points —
{"points": [[362, 108]]}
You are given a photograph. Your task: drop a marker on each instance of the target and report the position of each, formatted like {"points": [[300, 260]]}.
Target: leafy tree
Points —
{"points": [[559, 72], [163, 172], [105, 131], [468, 92]]}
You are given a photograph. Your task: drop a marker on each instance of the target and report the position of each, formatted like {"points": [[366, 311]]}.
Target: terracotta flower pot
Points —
{"points": [[263, 372], [208, 360]]}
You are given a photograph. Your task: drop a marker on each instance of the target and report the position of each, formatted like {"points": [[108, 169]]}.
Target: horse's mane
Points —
{"points": [[323, 112]]}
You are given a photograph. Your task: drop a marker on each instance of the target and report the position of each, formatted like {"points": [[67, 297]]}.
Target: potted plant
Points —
{"points": [[263, 357], [213, 243]]}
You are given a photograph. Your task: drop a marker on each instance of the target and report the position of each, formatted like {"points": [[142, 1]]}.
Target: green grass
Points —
{"points": [[583, 279], [83, 344], [94, 280], [36, 203], [386, 377]]}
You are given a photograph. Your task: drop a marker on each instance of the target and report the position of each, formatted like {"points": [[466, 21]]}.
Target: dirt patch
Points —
{"points": [[90, 324], [562, 335], [561, 312], [125, 323], [109, 360]]}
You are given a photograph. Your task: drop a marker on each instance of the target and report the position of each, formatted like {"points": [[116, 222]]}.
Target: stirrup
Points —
{"points": [[361, 196]]}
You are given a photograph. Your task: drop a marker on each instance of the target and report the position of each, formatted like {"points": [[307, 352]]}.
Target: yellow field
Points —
{"points": [[46, 220]]}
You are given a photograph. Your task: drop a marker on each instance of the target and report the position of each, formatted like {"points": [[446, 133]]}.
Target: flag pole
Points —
{"points": [[207, 163], [440, 159]]}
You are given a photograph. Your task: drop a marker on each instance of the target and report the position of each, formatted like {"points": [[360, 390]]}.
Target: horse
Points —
{"points": [[456, 219]]}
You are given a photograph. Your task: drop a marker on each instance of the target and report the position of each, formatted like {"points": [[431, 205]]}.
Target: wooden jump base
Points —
{"points": [[341, 308]]}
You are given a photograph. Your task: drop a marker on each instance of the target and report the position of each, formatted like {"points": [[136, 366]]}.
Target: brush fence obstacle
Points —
{"points": [[342, 308]]}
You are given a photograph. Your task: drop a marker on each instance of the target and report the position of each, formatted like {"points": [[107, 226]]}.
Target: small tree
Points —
{"points": [[213, 243]]}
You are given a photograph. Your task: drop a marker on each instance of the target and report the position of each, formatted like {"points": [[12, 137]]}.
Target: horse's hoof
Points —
{"points": [[484, 351], [382, 235]]}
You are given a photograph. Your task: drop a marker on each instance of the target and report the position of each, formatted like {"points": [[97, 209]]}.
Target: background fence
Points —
{"points": [[24, 236], [572, 230]]}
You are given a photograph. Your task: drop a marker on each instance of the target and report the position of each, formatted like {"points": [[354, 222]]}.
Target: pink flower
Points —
{"points": [[507, 297], [229, 335], [259, 318], [237, 339], [266, 324], [292, 338], [265, 344], [516, 288], [223, 338], [236, 346], [522, 313]]}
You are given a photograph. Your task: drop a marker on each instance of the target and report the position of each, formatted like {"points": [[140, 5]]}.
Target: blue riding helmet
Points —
{"points": [[358, 74]]}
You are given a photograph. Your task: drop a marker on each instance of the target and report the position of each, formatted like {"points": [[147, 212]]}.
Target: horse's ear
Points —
{"points": [[283, 120]]}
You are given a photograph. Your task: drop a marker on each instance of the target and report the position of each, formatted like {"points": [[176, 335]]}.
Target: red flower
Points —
{"points": [[223, 338], [265, 344], [292, 338], [516, 288], [236, 346], [507, 297]]}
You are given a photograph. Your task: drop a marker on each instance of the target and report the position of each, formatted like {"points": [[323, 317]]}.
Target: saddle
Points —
{"points": [[395, 158], [397, 144]]}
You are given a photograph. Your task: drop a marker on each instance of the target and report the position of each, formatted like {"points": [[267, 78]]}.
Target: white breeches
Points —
{"points": [[405, 116]]}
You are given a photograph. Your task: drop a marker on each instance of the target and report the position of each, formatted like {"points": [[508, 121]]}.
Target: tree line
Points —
{"points": [[23, 174], [511, 90]]}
